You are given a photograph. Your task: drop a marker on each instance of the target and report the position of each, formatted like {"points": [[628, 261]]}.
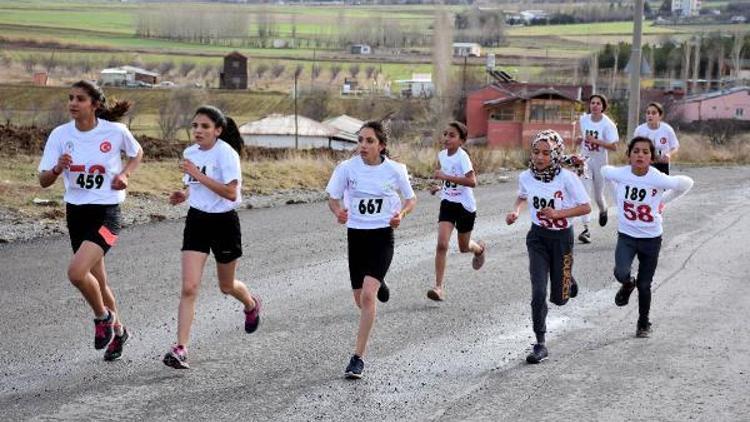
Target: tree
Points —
{"points": [[260, 70], [315, 71], [277, 69], [335, 70], [369, 71], [298, 70], [186, 68], [354, 70]]}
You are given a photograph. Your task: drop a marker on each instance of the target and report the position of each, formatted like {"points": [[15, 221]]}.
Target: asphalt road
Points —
{"points": [[462, 359]]}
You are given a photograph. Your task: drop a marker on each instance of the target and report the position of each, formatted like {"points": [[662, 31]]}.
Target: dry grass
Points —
{"points": [[697, 149]]}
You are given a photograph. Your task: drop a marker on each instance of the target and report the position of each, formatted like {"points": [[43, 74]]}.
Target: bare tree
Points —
{"points": [[354, 70], [335, 70], [186, 68], [8, 113], [737, 46], [165, 67], [260, 70], [114, 61], [50, 62], [315, 71], [277, 69], [369, 71], [686, 51], [29, 62], [696, 63], [298, 70]]}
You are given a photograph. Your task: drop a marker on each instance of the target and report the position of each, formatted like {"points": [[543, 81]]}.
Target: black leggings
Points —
{"points": [[647, 250]]}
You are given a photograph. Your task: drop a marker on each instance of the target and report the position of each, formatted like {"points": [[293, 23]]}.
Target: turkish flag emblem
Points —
{"points": [[105, 146], [663, 141]]}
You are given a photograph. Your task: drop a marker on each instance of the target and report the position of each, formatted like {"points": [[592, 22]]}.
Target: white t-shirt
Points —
{"points": [[96, 160], [563, 192], [221, 163], [663, 138], [370, 193], [639, 198], [457, 164], [603, 130]]}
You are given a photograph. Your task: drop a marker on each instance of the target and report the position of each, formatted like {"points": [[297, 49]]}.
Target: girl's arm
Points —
{"points": [[120, 181], [512, 216], [335, 206], [576, 211], [683, 185], [227, 191], [407, 207], [469, 179]]}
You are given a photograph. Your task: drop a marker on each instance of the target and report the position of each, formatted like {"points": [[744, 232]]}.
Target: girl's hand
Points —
{"points": [[120, 182], [439, 175], [434, 189], [342, 215], [177, 197], [511, 217], [549, 213], [189, 168], [396, 220], [63, 162], [579, 140]]}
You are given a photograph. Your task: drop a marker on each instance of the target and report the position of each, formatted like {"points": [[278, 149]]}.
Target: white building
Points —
{"points": [[278, 131], [467, 49], [686, 7], [347, 127], [420, 85], [360, 49]]}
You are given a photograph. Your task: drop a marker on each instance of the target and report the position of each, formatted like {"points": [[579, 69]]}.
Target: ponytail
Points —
{"points": [[231, 135]]}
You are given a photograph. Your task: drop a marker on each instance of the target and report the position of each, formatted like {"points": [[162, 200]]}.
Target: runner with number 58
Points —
{"points": [[641, 192]]}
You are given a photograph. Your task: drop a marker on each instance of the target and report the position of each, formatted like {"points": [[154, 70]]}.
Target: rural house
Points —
{"points": [[234, 75], [733, 103], [278, 131]]}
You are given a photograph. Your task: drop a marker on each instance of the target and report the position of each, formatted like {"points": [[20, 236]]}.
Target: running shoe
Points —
{"points": [[643, 330], [176, 358], [384, 293], [585, 236], [573, 288], [435, 295], [114, 350], [103, 331], [538, 354], [355, 368], [252, 317], [603, 218], [478, 260], [623, 295]]}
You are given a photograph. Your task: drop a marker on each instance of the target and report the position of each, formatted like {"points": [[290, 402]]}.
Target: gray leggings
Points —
{"points": [[550, 255], [647, 250]]}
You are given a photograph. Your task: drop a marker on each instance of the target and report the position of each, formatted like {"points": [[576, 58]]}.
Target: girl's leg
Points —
{"points": [[233, 287], [367, 304], [79, 274], [539, 263], [441, 252], [561, 269], [624, 254], [648, 258], [598, 181], [99, 272], [192, 272], [465, 244]]}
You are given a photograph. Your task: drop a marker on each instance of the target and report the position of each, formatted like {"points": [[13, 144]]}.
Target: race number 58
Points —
{"points": [[641, 212]]}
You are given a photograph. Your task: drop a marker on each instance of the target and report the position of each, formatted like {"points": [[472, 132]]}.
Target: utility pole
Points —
{"points": [[296, 126], [634, 102]]}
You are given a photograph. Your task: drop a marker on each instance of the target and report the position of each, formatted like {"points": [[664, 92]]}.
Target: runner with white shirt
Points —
{"points": [[555, 196], [364, 195], [598, 135], [86, 153], [641, 193], [213, 177], [661, 135], [458, 208]]}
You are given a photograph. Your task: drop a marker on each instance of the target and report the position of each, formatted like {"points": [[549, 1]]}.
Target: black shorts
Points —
{"points": [[455, 213], [213, 232], [370, 254], [662, 167], [99, 224]]}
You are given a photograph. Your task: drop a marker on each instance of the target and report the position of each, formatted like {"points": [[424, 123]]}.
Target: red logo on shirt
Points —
{"points": [[663, 141], [105, 146], [559, 195]]}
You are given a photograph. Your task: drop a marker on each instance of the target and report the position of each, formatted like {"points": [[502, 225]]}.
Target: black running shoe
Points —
{"points": [[176, 358], [603, 218], [252, 317], [643, 330], [623, 295], [384, 293], [585, 236], [538, 354], [114, 350], [355, 368], [103, 331], [573, 288]]}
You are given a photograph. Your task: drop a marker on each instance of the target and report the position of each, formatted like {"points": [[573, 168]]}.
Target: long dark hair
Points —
{"points": [[229, 134], [112, 112], [381, 132]]}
